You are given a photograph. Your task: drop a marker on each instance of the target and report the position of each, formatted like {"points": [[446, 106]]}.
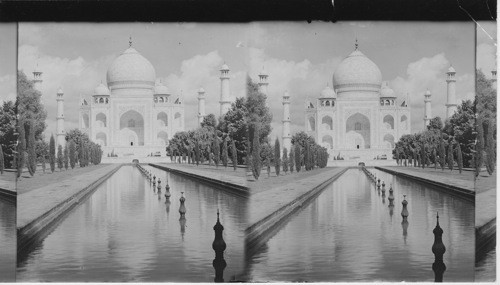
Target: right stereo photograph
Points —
{"points": [[368, 143]]}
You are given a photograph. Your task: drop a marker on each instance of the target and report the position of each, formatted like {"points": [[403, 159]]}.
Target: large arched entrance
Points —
{"points": [[327, 123], [358, 132], [132, 128], [389, 141], [162, 138]]}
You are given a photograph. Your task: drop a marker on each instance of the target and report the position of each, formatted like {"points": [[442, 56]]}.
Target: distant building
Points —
{"points": [[359, 117]]}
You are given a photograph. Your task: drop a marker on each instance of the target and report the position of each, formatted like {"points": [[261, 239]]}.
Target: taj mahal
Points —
{"points": [[134, 114], [361, 117]]}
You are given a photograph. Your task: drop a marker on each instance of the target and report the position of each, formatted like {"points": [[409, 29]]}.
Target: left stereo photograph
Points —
{"points": [[8, 150]]}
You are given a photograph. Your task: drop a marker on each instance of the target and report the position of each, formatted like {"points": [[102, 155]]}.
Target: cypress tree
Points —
{"points": [[197, 153], [296, 155], [21, 147], [277, 157], [459, 158], [72, 154], [234, 152], [397, 156], [224, 153], [423, 156], [52, 154], [31, 148], [285, 160], [66, 158], [216, 150], [434, 154], [43, 163], [2, 165], [189, 156], [490, 149], [291, 159], [442, 151], [60, 159], [306, 156], [255, 158], [268, 165], [450, 156]]}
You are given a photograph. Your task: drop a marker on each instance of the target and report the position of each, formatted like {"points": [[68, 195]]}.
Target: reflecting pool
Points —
{"points": [[349, 233], [127, 231], [7, 240]]}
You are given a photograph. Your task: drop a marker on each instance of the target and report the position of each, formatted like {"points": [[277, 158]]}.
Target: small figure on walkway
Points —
{"points": [[404, 212], [159, 186], [383, 189]]}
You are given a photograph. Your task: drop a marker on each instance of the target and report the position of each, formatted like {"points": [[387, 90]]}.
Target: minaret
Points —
{"points": [[225, 103], [263, 83], [428, 113], [494, 78], [451, 105], [61, 135], [37, 78], [201, 105], [287, 138]]}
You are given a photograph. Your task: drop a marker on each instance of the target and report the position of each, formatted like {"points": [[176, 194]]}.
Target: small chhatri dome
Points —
{"points": [[101, 89], [224, 67], [263, 72], [161, 89], [428, 93], [286, 94], [60, 91], [131, 69], [451, 69], [328, 93], [386, 91], [357, 72], [201, 90]]}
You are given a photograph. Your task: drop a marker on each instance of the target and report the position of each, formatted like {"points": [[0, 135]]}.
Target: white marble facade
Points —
{"points": [[360, 117], [133, 115]]}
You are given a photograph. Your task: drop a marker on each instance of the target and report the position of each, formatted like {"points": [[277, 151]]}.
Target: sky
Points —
{"points": [[486, 47], [186, 56], [301, 58], [8, 61]]}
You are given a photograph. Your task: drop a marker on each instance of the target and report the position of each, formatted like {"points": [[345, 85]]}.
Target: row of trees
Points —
{"points": [[78, 149], [305, 152], [198, 151], [467, 139]]}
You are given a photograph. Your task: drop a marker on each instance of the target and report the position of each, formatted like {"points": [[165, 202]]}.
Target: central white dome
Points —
{"points": [[357, 72], [131, 69]]}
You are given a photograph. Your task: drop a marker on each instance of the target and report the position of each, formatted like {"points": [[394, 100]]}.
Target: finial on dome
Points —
{"points": [[130, 41], [356, 44]]}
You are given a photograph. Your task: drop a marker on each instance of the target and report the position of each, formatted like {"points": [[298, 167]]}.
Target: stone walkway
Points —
{"points": [[463, 181], [8, 181], [34, 204], [226, 176], [486, 209], [266, 202]]}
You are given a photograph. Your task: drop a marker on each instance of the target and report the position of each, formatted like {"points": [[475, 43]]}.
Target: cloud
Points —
{"points": [[7, 88], [301, 79], [486, 58], [203, 71], [80, 76], [74, 75], [430, 73], [306, 80]]}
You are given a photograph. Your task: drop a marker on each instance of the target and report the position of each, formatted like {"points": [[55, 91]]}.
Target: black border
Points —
{"points": [[246, 10]]}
